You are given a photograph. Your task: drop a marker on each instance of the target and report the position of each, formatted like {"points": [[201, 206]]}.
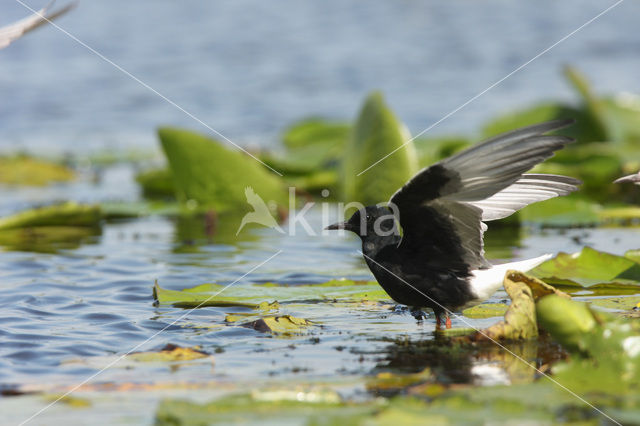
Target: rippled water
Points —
{"points": [[95, 301]]}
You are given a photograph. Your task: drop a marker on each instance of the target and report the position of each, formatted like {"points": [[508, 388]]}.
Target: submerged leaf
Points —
{"points": [[377, 134], [592, 269], [214, 176]]}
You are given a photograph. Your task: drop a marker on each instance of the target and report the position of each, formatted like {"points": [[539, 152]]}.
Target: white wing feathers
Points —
{"points": [[17, 29], [530, 188]]}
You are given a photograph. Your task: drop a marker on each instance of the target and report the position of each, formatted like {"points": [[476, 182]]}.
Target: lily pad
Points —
{"points": [[263, 296], [633, 255], [69, 400], [285, 324], [46, 239], [207, 174], [66, 214], [388, 382], [376, 134], [255, 410], [617, 303], [486, 310], [25, 170], [591, 269], [169, 353], [620, 214]]}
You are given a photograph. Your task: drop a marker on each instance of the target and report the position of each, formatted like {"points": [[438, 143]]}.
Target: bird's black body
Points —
{"points": [[441, 212], [412, 273]]}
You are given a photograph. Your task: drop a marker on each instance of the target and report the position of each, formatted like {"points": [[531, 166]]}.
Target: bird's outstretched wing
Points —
{"points": [[17, 29], [442, 207]]}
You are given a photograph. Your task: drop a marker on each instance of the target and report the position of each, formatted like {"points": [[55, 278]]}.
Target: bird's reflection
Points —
{"points": [[456, 361]]}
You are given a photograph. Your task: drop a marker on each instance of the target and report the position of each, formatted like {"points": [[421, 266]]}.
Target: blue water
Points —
{"points": [[250, 68]]}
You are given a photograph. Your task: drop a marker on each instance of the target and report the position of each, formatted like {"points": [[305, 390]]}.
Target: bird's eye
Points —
{"points": [[368, 218]]}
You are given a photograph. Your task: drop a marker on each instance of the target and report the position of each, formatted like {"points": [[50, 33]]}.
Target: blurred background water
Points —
{"points": [[249, 68]]}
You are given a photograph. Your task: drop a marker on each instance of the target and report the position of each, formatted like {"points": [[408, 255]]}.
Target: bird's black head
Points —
{"points": [[370, 221]]}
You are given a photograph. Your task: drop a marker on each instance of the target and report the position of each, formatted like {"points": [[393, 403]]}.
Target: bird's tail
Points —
{"points": [[485, 282]]}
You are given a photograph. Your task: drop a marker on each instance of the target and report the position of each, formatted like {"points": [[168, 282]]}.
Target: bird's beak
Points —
{"points": [[338, 225], [635, 178]]}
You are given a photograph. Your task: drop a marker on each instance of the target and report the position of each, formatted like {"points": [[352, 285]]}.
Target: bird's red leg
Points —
{"points": [[438, 321], [447, 321]]}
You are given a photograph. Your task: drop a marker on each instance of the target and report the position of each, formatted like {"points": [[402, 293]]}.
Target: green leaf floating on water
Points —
{"points": [[65, 214], [536, 403], [169, 353], [263, 296], [617, 303], [215, 176], [25, 170], [633, 255], [286, 406], [592, 269], [46, 229], [157, 183], [284, 324], [486, 310], [376, 134], [46, 239]]}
